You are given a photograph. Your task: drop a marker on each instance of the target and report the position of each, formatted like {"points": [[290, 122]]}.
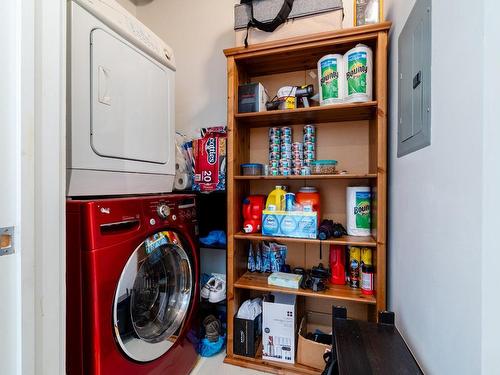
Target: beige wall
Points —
{"points": [[198, 31], [127, 4]]}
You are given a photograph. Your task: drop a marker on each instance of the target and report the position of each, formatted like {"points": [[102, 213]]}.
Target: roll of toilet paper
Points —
{"points": [[358, 211], [358, 68], [182, 181]]}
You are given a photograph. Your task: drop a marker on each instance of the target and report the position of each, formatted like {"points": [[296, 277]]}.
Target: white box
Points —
{"points": [[278, 328]]}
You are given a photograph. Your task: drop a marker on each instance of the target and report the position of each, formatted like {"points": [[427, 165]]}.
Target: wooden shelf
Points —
{"points": [[269, 366], [312, 177], [258, 281], [345, 240], [316, 115]]}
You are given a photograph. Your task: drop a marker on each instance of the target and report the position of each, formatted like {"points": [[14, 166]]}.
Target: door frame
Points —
{"points": [[42, 186]]}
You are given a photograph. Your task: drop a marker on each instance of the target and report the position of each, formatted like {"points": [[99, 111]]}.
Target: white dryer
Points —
{"points": [[121, 129]]}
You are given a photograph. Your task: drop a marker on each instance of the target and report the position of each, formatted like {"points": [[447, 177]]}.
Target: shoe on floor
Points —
{"points": [[218, 292], [207, 288], [212, 328]]}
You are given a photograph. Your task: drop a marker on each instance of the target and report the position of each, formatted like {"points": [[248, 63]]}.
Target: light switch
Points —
{"points": [[414, 86]]}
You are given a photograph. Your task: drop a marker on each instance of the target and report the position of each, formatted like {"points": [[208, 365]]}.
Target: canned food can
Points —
{"points": [[311, 155], [297, 146], [274, 171], [274, 156], [274, 132], [354, 266], [307, 162], [274, 148], [309, 130], [266, 170], [275, 140], [285, 163], [305, 171], [274, 163], [286, 171], [286, 130], [296, 171], [297, 163], [286, 155], [297, 154], [286, 139], [286, 147], [309, 138], [309, 146]]}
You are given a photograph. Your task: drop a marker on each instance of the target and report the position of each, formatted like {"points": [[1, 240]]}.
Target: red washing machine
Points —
{"points": [[132, 285]]}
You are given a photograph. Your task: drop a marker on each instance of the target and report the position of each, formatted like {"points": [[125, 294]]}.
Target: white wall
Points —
{"points": [[435, 198], [9, 120], [128, 5]]}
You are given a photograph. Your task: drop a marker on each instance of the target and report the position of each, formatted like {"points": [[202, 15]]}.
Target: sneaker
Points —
{"points": [[218, 292], [212, 328], [207, 288]]}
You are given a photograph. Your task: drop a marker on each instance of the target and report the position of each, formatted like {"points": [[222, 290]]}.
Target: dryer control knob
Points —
{"points": [[163, 211]]}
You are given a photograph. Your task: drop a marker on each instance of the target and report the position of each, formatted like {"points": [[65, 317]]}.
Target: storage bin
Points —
{"points": [[246, 336], [252, 169], [310, 353], [306, 17], [324, 167]]}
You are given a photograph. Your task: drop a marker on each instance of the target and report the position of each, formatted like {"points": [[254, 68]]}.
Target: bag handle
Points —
{"points": [[269, 26]]}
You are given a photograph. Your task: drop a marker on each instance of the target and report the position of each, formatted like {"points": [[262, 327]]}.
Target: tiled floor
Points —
{"points": [[216, 366]]}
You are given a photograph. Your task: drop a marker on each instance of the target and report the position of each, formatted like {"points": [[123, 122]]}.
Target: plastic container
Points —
{"points": [[324, 167], [309, 196], [277, 199], [251, 169]]}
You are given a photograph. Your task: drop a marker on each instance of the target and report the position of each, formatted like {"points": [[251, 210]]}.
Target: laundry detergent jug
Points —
{"points": [[252, 213], [276, 199]]}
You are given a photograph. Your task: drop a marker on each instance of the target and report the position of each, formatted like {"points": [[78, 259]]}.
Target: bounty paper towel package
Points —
{"points": [[359, 211], [331, 79], [358, 65]]}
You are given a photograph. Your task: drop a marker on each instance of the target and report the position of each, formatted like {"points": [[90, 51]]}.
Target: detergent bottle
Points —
{"points": [[252, 213], [276, 199]]}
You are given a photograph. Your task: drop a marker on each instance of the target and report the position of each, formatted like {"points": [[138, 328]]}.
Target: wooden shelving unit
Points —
{"points": [[355, 134]]}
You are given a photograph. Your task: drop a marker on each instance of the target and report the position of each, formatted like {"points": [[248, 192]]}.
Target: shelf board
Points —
{"points": [[272, 367], [345, 240], [316, 115], [258, 281], [312, 177]]}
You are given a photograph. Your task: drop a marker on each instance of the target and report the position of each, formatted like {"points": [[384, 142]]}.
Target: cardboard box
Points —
{"points": [[279, 327], [210, 160], [310, 353], [285, 280], [246, 336], [306, 17], [252, 97], [297, 224]]}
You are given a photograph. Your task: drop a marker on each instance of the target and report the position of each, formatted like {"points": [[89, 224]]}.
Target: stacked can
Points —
{"points": [[309, 144], [297, 157], [274, 151], [286, 151]]}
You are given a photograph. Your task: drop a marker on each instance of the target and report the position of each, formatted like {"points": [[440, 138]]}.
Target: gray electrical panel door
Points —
{"points": [[414, 86]]}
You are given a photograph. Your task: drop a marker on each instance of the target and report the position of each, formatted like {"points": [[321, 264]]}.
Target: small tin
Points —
{"points": [[286, 147], [307, 162], [286, 155], [296, 171], [274, 147], [311, 155], [274, 132], [274, 171], [274, 156], [305, 171], [309, 138], [309, 130], [297, 155], [309, 146], [274, 163], [286, 139], [297, 146], [266, 170], [286, 171], [274, 140], [297, 163], [285, 163], [286, 130]]}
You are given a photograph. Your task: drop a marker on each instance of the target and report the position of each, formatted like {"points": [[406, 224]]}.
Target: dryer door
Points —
{"points": [[131, 115], [153, 297]]}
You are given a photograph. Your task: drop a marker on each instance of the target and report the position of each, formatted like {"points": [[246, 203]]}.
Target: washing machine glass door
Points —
{"points": [[153, 296]]}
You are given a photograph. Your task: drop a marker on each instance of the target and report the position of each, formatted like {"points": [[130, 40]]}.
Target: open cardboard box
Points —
{"points": [[310, 353]]}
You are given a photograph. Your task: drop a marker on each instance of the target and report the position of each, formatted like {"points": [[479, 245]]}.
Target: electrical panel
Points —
{"points": [[414, 80]]}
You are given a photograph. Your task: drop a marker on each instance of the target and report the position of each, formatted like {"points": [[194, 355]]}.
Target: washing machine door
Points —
{"points": [[153, 297]]}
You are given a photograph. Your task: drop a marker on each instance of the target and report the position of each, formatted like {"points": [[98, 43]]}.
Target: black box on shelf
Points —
{"points": [[246, 336], [252, 97]]}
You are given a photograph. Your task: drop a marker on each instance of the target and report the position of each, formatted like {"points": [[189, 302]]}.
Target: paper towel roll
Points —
{"points": [[182, 181], [358, 211], [331, 79], [358, 68]]}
